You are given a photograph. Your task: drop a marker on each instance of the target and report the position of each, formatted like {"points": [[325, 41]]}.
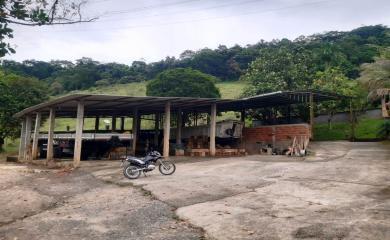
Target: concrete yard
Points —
{"points": [[341, 193], [36, 204]]}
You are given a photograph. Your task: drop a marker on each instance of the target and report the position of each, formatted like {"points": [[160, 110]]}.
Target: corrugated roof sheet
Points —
{"points": [[108, 105]]}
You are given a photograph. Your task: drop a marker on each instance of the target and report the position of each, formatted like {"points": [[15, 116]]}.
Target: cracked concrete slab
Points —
{"points": [[344, 196], [59, 205]]}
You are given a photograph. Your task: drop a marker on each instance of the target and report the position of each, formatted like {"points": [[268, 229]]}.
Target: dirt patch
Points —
{"points": [[322, 231]]}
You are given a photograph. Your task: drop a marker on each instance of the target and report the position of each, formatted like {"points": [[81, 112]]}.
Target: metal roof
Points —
{"points": [[108, 105], [280, 98]]}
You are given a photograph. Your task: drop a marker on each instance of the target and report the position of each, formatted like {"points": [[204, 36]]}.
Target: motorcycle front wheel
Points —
{"points": [[131, 172], [167, 168]]}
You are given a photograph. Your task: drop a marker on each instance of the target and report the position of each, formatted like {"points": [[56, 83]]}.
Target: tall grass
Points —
{"points": [[365, 129]]}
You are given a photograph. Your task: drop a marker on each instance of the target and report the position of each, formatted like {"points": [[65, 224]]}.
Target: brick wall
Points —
{"points": [[279, 136]]}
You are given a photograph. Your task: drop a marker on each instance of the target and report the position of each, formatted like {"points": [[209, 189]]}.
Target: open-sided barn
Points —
{"points": [[211, 139]]}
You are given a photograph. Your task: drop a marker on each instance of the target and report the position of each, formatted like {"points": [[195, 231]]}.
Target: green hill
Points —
{"points": [[228, 89]]}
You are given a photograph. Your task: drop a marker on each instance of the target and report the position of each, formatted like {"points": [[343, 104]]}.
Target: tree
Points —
{"points": [[56, 88], [278, 69], [384, 129], [17, 93], [36, 13], [183, 82], [376, 75], [334, 81]]}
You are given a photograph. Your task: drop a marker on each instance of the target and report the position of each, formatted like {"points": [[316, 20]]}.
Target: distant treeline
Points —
{"points": [[344, 50]]}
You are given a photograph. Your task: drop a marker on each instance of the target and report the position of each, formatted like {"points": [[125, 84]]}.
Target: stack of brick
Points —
{"points": [[278, 136]]}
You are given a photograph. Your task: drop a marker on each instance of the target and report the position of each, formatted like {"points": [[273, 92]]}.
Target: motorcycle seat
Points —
{"points": [[135, 158]]}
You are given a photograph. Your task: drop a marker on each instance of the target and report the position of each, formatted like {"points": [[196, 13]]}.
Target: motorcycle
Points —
{"points": [[133, 166]]}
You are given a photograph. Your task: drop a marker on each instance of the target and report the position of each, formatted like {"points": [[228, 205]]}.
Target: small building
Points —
{"points": [[172, 127]]}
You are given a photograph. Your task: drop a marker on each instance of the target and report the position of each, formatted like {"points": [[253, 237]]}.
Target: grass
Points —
{"points": [[11, 147], [227, 89], [365, 129], [130, 89], [231, 89]]}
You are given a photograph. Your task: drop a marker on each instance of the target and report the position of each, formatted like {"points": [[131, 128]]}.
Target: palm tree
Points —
{"points": [[375, 77]]}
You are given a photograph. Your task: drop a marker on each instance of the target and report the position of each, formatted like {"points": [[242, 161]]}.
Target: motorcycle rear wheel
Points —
{"points": [[131, 172], [167, 168]]}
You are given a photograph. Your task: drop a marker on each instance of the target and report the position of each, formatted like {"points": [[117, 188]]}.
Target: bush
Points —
{"points": [[183, 82], [384, 130]]}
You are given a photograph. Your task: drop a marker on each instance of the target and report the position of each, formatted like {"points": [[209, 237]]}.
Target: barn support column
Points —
{"points": [[22, 138], [179, 127], [213, 127], [242, 115], [167, 128], [311, 108], [50, 136], [156, 129], [27, 141], [34, 151], [122, 124], [113, 123], [79, 134], [97, 122], [135, 130]]}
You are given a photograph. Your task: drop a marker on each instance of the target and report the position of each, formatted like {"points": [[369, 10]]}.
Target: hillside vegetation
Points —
{"points": [[229, 90], [345, 51]]}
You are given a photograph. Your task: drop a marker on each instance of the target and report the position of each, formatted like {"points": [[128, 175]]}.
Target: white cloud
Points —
{"points": [[153, 38]]}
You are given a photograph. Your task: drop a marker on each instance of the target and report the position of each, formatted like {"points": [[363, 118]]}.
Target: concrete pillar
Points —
{"points": [[79, 134], [135, 130], [97, 122], [311, 108], [156, 129], [122, 124], [179, 127], [167, 129], [243, 117], [50, 136], [213, 127], [34, 152], [22, 144], [113, 123], [27, 141]]}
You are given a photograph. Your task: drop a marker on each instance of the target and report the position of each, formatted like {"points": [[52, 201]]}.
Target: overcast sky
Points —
{"points": [[149, 30]]}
